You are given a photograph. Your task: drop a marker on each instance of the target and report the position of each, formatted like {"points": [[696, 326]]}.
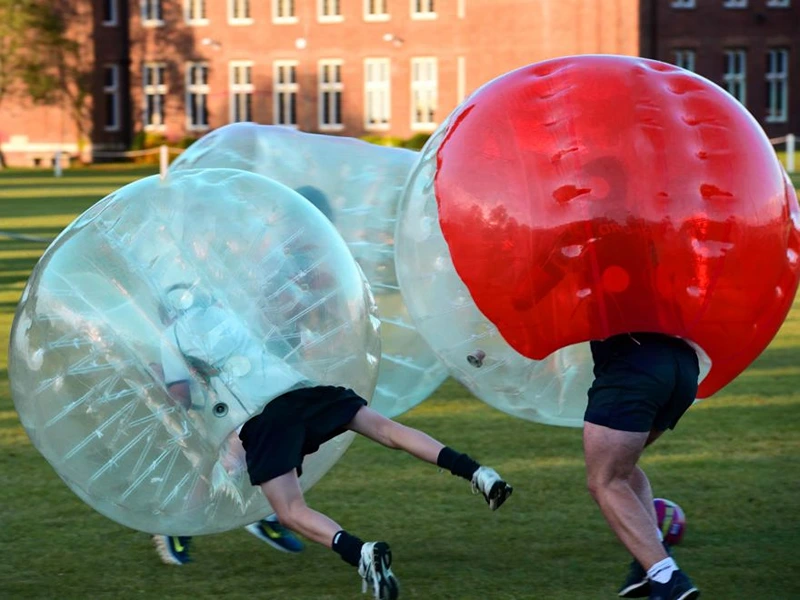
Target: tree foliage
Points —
{"points": [[14, 26], [46, 55]]}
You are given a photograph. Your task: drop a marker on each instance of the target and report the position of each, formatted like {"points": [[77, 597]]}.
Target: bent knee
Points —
{"points": [[291, 514]]}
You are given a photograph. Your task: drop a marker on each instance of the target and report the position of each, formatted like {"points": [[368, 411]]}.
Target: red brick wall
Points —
{"points": [[491, 36]]}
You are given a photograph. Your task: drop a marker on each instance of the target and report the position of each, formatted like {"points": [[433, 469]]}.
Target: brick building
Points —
{"points": [[749, 47], [354, 67], [178, 68]]}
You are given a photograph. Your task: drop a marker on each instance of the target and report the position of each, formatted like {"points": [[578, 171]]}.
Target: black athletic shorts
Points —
{"points": [[294, 425], [643, 382]]}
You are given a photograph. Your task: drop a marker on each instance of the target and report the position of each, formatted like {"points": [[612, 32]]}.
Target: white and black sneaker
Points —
{"points": [[494, 489], [375, 569]]}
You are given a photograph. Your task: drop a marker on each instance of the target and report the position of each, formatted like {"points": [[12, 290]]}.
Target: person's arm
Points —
{"points": [[173, 372]]}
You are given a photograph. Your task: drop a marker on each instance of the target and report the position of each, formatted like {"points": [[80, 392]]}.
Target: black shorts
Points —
{"points": [[293, 426], [643, 382]]}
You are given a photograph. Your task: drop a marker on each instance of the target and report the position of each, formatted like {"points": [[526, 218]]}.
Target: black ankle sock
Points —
{"points": [[348, 547], [457, 463]]}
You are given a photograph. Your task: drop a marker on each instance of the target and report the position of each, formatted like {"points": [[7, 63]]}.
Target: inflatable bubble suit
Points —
{"points": [[220, 278], [357, 185], [589, 196]]}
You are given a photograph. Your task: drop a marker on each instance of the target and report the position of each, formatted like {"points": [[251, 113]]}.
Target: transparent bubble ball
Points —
{"points": [[358, 186], [223, 279], [550, 391]]}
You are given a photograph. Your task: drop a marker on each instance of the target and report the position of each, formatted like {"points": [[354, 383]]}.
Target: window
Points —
{"points": [[424, 91], [735, 4], [377, 92], [111, 97], [241, 91], [152, 13], [110, 13], [196, 96], [736, 74], [239, 12], [330, 11], [284, 11], [423, 9], [195, 12], [779, 3], [684, 58], [330, 95], [683, 4], [777, 85], [376, 10], [284, 93], [155, 94]]}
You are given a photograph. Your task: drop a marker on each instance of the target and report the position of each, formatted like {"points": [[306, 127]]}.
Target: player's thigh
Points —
{"points": [[611, 453], [283, 492], [373, 425]]}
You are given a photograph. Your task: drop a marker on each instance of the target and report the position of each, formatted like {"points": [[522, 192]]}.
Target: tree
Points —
{"points": [[14, 28], [56, 68]]}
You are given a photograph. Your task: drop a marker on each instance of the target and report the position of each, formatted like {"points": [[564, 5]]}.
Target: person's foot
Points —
{"points": [[679, 587], [494, 489], [375, 569], [172, 550], [276, 535], [636, 584]]}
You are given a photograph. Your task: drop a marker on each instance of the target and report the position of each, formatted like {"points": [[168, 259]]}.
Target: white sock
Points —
{"points": [[662, 571]]}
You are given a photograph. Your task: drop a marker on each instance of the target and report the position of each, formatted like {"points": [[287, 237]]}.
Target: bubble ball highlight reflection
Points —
{"points": [[222, 278], [356, 185], [587, 196]]}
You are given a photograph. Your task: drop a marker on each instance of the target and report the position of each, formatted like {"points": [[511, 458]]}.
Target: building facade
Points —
{"points": [[175, 69], [178, 68], [749, 47]]}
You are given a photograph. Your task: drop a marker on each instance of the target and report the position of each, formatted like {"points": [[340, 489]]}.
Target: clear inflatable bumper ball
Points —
{"points": [[358, 186], [165, 317], [588, 196]]}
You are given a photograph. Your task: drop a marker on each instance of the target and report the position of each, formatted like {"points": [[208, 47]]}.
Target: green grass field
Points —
{"points": [[733, 464]]}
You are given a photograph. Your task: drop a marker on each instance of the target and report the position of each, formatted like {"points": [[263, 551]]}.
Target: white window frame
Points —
{"points": [[734, 4], [736, 79], [378, 93], [113, 6], [232, 7], [279, 6], [376, 17], [325, 5], [291, 88], [197, 89], [774, 88], [158, 89], [423, 10], [332, 88], [779, 3], [149, 7], [685, 58], [112, 90], [422, 88], [683, 4], [237, 90], [190, 6]]}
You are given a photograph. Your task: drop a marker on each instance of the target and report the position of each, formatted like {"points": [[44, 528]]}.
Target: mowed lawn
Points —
{"points": [[733, 464]]}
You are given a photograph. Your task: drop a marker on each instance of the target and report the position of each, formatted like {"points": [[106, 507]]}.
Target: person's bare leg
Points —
{"points": [[641, 485], [612, 477], [391, 434], [286, 498]]}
